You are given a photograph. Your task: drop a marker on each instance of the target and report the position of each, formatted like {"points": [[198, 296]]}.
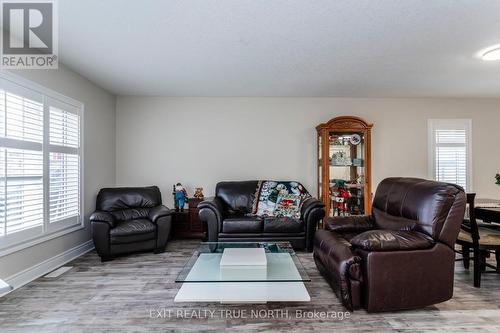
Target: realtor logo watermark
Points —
{"points": [[29, 34]]}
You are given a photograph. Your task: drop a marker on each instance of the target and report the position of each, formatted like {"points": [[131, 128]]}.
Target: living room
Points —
{"points": [[252, 166]]}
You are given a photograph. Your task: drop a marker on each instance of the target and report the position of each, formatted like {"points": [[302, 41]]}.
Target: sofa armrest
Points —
{"points": [[211, 211], [159, 211], [337, 261], [392, 240], [354, 223], [163, 223], [100, 230], [101, 216], [213, 203], [308, 205], [312, 211]]}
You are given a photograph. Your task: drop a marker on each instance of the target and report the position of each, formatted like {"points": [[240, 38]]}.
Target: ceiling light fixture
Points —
{"points": [[492, 53]]}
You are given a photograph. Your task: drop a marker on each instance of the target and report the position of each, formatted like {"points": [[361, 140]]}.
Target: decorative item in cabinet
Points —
{"points": [[344, 166]]}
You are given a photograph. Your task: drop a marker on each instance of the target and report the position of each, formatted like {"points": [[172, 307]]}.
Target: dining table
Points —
{"points": [[487, 210], [487, 214]]}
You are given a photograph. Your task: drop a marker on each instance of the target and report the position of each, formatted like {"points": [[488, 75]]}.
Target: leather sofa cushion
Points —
{"points": [[390, 240], [133, 231], [237, 197], [131, 214], [416, 204], [122, 198], [354, 223], [243, 224], [283, 225]]}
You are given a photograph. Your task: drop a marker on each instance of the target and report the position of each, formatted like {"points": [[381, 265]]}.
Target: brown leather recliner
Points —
{"points": [[399, 257]]}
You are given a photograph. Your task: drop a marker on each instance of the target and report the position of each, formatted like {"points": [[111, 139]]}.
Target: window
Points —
{"points": [[450, 151], [40, 163]]}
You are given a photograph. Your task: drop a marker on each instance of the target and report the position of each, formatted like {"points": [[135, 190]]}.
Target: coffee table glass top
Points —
{"points": [[282, 264]]}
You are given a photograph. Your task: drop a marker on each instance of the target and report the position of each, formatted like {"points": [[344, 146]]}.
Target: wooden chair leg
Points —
{"points": [[497, 257], [477, 268], [466, 256], [484, 255]]}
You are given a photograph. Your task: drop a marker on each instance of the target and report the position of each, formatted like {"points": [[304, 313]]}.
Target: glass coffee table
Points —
{"points": [[279, 279]]}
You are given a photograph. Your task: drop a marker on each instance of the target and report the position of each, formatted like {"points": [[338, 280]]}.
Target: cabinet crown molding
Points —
{"points": [[345, 122]]}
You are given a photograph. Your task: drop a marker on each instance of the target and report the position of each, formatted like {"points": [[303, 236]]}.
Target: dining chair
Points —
{"points": [[481, 238]]}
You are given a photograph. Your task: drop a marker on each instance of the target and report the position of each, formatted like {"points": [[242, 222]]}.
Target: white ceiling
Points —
{"points": [[348, 48]]}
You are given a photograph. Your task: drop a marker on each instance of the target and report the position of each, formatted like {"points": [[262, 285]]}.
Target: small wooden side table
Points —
{"points": [[187, 224]]}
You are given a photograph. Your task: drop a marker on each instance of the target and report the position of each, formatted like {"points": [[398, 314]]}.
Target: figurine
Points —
{"points": [[340, 198], [497, 177], [342, 202], [198, 193], [180, 197]]}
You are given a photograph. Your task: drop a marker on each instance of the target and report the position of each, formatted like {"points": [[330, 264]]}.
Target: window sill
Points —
{"points": [[41, 239]]}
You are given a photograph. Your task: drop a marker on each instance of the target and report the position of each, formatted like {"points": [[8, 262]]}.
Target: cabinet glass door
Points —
{"points": [[347, 173], [320, 168]]}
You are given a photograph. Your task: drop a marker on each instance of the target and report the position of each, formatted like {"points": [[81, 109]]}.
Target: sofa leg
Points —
{"points": [[104, 259], [160, 250]]}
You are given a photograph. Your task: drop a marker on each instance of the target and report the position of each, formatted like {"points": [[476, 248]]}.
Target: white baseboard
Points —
{"points": [[4, 287], [32, 273]]}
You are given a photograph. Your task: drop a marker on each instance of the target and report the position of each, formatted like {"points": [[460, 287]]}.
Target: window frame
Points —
{"points": [[450, 123], [48, 231]]}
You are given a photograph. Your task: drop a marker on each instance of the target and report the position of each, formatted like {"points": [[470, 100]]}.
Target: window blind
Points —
{"points": [[21, 170], [24, 118], [40, 164], [23, 189], [64, 128], [451, 151], [64, 186], [64, 183]]}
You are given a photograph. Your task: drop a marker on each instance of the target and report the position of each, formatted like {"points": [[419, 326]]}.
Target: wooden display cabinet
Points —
{"points": [[344, 166]]}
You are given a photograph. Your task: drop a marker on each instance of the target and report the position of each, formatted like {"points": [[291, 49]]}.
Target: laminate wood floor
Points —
{"points": [[135, 294]]}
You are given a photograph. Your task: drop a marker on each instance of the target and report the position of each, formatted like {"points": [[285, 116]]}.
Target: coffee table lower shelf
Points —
{"points": [[243, 292]]}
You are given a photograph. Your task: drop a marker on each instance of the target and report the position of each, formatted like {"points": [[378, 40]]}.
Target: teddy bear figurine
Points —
{"points": [[198, 193]]}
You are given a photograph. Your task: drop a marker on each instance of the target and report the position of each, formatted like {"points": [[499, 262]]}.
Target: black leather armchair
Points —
{"points": [[129, 219], [227, 218]]}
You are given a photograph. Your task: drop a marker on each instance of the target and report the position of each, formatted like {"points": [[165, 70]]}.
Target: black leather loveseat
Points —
{"points": [[129, 219], [227, 217]]}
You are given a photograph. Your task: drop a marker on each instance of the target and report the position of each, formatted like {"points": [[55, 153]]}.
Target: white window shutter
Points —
{"points": [[23, 189], [450, 149], [64, 128], [40, 163], [24, 118], [64, 186]]}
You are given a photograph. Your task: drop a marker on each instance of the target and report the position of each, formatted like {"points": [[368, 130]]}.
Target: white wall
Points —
{"points": [[99, 163], [200, 141]]}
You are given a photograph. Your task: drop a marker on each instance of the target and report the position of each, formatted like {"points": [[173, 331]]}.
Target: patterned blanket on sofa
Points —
{"points": [[279, 198]]}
